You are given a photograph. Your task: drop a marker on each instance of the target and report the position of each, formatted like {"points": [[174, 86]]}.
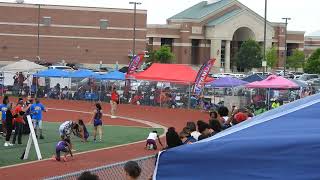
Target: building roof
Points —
{"points": [[201, 10], [316, 33], [224, 17]]}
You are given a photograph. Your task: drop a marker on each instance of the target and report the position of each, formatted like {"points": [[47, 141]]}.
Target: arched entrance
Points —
{"points": [[241, 35]]}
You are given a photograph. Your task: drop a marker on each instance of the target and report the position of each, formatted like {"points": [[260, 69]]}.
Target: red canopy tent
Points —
{"points": [[179, 73]]}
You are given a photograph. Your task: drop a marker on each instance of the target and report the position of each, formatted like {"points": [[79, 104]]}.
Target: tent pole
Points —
{"points": [[100, 90], [119, 90], [2, 90], [268, 100], [160, 95], [189, 96]]}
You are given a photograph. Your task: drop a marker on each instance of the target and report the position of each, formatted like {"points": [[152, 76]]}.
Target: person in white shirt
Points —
{"points": [[193, 130], [151, 141], [65, 130]]}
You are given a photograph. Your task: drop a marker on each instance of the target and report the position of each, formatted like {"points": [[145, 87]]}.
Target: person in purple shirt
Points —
{"points": [[62, 146]]}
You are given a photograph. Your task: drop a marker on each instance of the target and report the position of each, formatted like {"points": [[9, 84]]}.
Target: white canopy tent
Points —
{"points": [[23, 66]]}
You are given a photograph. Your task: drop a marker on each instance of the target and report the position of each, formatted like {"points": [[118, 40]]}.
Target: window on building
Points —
{"points": [[104, 23], [195, 55], [150, 41], [167, 42], [46, 20]]}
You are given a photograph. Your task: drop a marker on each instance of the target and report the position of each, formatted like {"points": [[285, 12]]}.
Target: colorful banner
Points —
{"points": [[135, 63], [202, 75]]}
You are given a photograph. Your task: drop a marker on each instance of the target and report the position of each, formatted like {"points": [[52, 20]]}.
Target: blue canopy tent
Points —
{"points": [[114, 75], [82, 73], [253, 78], [52, 73], [280, 144]]}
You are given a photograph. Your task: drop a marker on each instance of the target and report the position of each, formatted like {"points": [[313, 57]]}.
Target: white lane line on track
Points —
{"points": [[151, 124]]}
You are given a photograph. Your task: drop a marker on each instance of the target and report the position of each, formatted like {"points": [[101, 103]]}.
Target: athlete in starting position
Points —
{"points": [[62, 146], [151, 141]]}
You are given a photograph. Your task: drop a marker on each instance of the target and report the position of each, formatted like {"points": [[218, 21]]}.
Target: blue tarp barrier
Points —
{"points": [[283, 143]]}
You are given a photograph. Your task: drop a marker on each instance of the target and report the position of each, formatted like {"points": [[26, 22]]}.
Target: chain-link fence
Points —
{"points": [[135, 92], [115, 171]]}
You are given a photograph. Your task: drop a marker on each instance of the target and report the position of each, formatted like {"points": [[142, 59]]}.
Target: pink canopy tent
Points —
{"points": [[273, 82]]}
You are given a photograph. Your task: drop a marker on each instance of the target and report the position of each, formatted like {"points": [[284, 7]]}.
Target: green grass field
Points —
{"points": [[113, 135]]}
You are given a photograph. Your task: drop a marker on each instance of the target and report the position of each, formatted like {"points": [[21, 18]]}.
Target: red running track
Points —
{"points": [[45, 168]]}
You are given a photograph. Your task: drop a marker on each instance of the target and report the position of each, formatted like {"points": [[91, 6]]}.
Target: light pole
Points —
{"points": [[38, 30], [38, 44], [265, 35], [286, 47], [134, 26]]}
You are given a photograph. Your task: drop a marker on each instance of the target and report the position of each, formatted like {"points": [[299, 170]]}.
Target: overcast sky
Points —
{"points": [[305, 15]]}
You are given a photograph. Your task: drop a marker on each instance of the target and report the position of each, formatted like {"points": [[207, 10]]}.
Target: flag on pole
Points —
{"points": [[135, 63], [202, 75]]}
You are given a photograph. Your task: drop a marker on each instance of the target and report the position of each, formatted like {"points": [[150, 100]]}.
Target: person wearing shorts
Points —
{"points": [[4, 108], [36, 111], [114, 102], [63, 146], [151, 141], [97, 122], [66, 129]]}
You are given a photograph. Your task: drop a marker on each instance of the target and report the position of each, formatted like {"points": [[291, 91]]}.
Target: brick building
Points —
{"points": [[312, 42], [217, 29], [73, 34]]}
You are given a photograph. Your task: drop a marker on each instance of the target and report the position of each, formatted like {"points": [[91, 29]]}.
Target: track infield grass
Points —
{"points": [[112, 136]]}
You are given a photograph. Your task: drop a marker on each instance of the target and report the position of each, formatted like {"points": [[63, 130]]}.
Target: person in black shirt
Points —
{"points": [[9, 125]]}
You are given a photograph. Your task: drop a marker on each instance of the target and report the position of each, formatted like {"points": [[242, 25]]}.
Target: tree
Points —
{"points": [[164, 55], [249, 56], [271, 57], [296, 60], [312, 65]]}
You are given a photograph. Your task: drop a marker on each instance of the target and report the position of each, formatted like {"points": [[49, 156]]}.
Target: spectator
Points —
{"points": [[223, 113], [186, 138], [3, 108], [213, 115], [18, 122], [132, 170], [215, 125], [205, 131], [193, 130], [9, 125], [239, 117], [172, 138], [36, 111], [88, 176]]}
